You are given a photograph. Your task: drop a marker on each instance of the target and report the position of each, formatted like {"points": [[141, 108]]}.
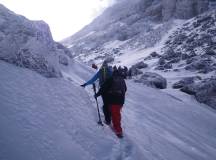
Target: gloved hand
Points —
{"points": [[96, 95], [83, 85]]}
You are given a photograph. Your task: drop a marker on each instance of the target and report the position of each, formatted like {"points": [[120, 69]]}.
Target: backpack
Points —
{"points": [[118, 87], [105, 73]]}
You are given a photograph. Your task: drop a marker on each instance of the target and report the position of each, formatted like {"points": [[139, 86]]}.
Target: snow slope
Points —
{"points": [[50, 119], [55, 119]]}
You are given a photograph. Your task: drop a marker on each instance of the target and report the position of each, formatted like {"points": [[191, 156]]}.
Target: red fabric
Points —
{"points": [[116, 118]]}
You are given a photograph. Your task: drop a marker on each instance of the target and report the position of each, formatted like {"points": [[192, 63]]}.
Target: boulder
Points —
{"points": [[160, 67], [179, 39], [134, 72], [161, 61], [168, 66], [201, 65], [140, 65], [185, 81], [153, 80], [189, 89], [163, 64], [192, 59], [109, 59], [204, 91], [171, 54], [63, 60], [135, 69], [211, 52], [175, 60], [154, 54]]}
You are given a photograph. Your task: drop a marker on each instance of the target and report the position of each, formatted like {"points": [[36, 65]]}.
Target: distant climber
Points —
{"points": [[94, 66], [125, 72], [104, 73]]}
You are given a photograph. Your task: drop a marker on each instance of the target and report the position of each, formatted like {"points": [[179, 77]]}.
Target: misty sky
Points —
{"points": [[64, 17]]}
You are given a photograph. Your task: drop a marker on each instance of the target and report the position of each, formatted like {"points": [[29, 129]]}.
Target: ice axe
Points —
{"points": [[99, 117]]}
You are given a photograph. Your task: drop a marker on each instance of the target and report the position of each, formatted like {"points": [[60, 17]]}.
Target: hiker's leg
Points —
{"points": [[116, 118], [106, 110]]}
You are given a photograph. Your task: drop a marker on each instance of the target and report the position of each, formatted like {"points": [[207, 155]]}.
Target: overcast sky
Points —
{"points": [[64, 17]]}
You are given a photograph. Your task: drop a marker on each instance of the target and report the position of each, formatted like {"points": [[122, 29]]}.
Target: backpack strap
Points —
{"points": [[104, 73]]}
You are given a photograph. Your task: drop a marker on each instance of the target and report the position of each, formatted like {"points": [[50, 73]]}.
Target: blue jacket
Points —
{"points": [[99, 76]]}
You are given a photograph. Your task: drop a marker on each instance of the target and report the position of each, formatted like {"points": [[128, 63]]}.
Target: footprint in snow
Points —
{"points": [[122, 150]]}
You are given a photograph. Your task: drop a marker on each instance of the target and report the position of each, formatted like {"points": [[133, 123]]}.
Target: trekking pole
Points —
{"points": [[99, 121]]}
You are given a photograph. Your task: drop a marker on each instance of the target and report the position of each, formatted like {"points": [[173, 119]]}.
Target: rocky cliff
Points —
{"points": [[29, 44]]}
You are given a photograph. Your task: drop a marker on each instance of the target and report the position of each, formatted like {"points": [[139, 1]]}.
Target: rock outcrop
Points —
{"points": [[204, 91], [192, 47], [153, 80], [29, 44]]}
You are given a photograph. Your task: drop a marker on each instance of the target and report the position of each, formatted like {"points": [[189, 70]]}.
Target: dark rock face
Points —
{"points": [[185, 81], [204, 91], [161, 61], [193, 45], [152, 56], [153, 80], [201, 65], [65, 50], [188, 56], [166, 62], [170, 54], [25, 58], [135, 69], [189, 89], [134, 72], [140, 65], [211, 52], [183, 9], [63, 60]]}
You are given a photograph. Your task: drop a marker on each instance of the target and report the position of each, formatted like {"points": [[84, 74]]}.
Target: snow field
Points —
{"points": [[56, 119]]}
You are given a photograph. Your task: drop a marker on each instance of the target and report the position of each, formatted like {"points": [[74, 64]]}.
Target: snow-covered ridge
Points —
{"points": [[30, 44]]}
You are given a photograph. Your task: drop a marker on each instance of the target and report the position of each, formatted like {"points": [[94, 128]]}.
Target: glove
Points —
{"points": [[96, 95], [83, 85]]}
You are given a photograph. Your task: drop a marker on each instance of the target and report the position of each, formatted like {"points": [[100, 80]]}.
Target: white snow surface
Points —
{"points": [[56, 119]]}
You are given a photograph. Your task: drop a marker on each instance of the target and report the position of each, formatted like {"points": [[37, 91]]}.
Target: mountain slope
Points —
{"points": [[56, 119], [182, 51], [132, 25]]}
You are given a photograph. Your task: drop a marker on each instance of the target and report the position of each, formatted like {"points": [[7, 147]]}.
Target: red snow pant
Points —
{"points": [[116, 118]]}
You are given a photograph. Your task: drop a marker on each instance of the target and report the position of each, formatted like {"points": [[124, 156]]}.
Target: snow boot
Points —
{"points": [[107, 123], [120, 135]]}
